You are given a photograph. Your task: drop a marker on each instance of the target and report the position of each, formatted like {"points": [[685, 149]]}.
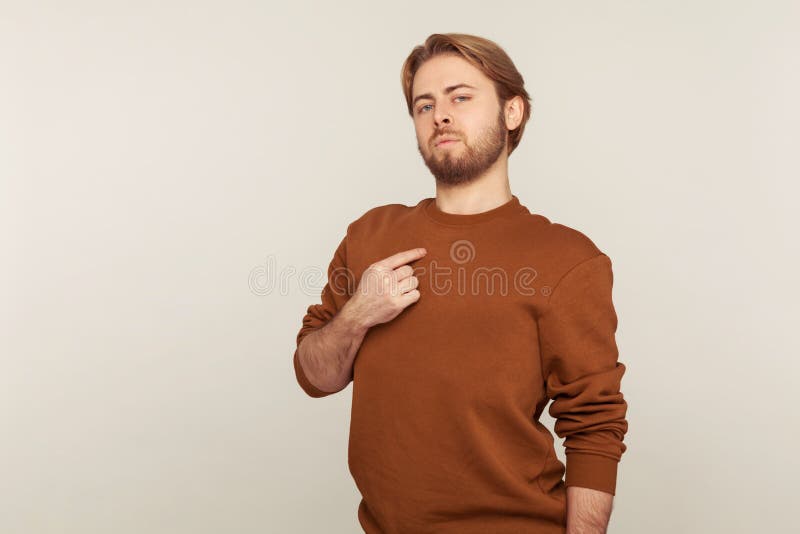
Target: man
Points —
{"points": [[454, 358]]}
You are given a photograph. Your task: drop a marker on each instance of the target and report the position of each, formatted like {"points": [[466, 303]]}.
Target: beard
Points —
{"points": [[451, 169]]}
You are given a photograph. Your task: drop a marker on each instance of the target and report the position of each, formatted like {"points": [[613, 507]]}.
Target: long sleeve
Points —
{"points": [[582, 373], [339, 287]]}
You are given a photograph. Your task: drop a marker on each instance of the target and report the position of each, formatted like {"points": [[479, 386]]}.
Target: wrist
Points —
{"points": [[351, 320]]}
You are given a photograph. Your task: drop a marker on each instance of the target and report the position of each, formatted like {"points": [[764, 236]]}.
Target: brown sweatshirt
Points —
{"points": [[514, 311]]}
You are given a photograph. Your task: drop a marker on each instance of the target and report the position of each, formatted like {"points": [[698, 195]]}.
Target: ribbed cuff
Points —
{"points": [[592, 471]]}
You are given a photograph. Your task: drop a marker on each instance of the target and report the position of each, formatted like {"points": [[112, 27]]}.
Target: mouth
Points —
{"points": [[447, 142]]}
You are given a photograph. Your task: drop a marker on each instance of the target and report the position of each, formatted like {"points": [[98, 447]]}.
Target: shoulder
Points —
{"points": [[381, 211], [379, 216], [563, 246], [571, 240]]}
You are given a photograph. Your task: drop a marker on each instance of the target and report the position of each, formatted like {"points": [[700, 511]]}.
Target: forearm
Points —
{"points": [[588, 510], [327, 355]]}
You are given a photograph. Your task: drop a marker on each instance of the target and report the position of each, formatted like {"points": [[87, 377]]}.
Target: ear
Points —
{"points": [[514, 109]]}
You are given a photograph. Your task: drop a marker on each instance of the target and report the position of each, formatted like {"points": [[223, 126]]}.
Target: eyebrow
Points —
{"points": [[447, 91]]}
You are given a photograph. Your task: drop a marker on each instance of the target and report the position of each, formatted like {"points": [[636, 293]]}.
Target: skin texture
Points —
{"points": [[466, 159], [588, 510]]}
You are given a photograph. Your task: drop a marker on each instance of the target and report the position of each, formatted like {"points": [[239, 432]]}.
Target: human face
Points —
{"points": [[454, 100]]}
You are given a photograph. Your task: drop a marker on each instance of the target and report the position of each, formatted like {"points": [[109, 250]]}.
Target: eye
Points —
{"points": [[422, 108]]}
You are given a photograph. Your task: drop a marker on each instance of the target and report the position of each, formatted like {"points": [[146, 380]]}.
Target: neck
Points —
{"points": [[488, 191]]}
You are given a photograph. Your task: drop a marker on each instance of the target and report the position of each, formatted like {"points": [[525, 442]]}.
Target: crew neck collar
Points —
{"points": [[456, 219]]}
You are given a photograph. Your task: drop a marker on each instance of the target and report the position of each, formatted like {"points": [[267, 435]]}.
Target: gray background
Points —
{"points": [[176, 175]]}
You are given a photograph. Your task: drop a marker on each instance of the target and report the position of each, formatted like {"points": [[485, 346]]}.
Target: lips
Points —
{"points": [[445, 139]]}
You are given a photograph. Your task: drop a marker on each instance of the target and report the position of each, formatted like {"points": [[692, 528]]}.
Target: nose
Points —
{"points": [[441, 115]]}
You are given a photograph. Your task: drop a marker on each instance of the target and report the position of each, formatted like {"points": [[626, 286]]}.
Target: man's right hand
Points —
{"points": [[386, 288]]}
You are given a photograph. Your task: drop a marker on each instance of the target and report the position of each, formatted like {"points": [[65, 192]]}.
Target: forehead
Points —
{"points": [[446, 70]]}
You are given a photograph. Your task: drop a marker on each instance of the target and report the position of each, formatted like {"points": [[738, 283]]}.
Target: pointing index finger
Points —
{"points": [[401, 258]]}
